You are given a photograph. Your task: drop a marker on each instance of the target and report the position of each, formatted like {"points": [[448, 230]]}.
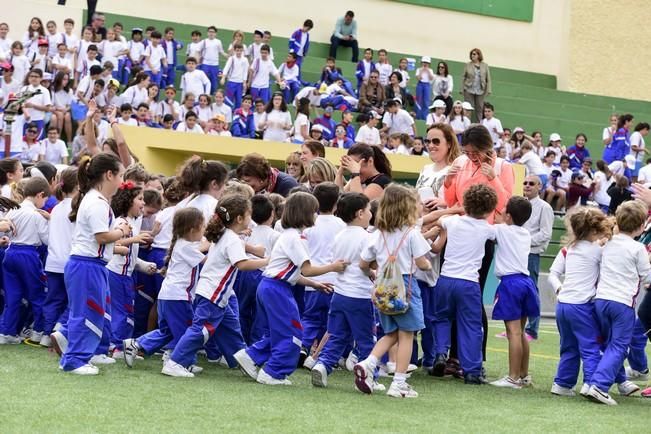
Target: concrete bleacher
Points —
{"points": [[521, 98]]}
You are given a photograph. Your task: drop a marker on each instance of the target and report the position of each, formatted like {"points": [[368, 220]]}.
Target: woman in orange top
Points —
{"points": [[479, 165]]}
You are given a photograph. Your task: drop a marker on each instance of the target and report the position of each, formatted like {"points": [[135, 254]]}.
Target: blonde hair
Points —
{"points": [[584, 222], [235, 188], [397, 208], [631, 215], [322, 168], [405, 139]]}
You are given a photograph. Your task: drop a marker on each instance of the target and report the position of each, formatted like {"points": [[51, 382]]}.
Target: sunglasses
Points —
{"points": [[32, 132], [433, 141], [530, 183]]}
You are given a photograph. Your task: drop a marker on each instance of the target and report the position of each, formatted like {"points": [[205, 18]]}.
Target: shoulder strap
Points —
{"points": [[393, 255]]}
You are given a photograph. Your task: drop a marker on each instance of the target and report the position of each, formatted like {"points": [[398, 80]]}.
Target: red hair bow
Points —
{"points": [[129, 185]]}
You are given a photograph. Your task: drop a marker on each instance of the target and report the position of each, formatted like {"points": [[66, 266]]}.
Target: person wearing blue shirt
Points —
{"points": [[256, 171], [243, 124], [578, 152], [345, 34], [299, 41]]}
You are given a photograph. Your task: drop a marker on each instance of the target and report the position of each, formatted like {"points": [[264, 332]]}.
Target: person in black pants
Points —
{"points": [[345, 34], [91, 6]]}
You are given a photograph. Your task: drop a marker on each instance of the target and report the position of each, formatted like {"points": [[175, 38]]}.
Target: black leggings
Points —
{"points": [[644, 312], [489, 252]]}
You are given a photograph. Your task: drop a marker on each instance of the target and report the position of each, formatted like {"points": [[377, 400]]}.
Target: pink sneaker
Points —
{"points": [[646, 393], [501, 335], [529, 337]]}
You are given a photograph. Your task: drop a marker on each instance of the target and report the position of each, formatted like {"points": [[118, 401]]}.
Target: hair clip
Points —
{"points": [[227, 216], [128, 185]]}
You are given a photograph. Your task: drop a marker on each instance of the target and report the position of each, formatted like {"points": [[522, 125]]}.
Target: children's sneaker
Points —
{"points": [[529, 337], [166, 355], [351, 361], [59, 342], [46, 341], [584, 390], [220, 361], [563, 391], [476, 380], [633, 375], [646, 393], [35, 337], [391, 368], [501, 335], [173, 369], [130, 353], [10, 340], [246, 364], [309, 363], [411, 368], [363, 377], [627, 388], [452, 367], [381, 371], [438, 370], [319, 375], [264, 378], [507, 382], [378, 387], [401, 390], [25, 333], [86, 369], [195, 369], [526, 381], [101, 359], [596, 395]]}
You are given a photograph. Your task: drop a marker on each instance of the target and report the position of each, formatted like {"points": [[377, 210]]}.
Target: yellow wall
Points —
{"points": [[19, 16]]}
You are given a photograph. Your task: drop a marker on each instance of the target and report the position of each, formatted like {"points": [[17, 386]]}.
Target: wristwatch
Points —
{"points": [[354, 175]]}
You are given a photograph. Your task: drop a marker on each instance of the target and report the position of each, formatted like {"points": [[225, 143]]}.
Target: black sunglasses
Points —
{"points": [[433, 141], [530, 183]]}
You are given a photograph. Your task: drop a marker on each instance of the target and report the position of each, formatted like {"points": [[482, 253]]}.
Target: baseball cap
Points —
{"points": [[518, 130], [323, 88], [467, 106], [316, 127], [42, 42], [554, 137], [439, 103], [46, 77], [375, 114], [136, 30], [219, 118], [577, 175], [329, 109], [426, 59]]}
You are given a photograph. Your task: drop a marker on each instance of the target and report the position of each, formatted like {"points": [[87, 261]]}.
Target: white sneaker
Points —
{"points": [[584, 390], [627, 388], [633, 375], [319, 375], [87, 369], [10, 340], [411, 368], [166, 356], [173, 369], [25, 333], [221, 361], [391, 368], [195, 369], [526, 381], [309, 362], [36, 337], [101, 359], [363, 377], [378, 387], [59, 342], [562, 391], [507, 382], [264, 378], [351, 361], [402, 390], [246, 364], [596, 395], [381, 371], [46, 341], [130, 352]]}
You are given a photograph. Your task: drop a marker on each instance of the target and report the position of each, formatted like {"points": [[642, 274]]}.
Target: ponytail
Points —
{"points": [[197, 174], [226, 213], [184, 221], [91, 173], [380, 160], [67, 183]]}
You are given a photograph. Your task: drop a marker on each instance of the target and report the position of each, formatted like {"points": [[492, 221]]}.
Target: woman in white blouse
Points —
{"points": [[302, 121], [277, 121], [443, 85]]}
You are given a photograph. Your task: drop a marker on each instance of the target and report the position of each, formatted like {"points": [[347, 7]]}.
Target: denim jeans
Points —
{"points": [[534, 271]]}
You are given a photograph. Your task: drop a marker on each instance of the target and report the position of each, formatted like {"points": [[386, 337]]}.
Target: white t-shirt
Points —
{"points": [[579, 263], [110, 50], [623, 271], [130, 121], [400, 122], [165, 217], [136, 50], [219, 273], [384, 70], [183, 127], [53, 152], [432, 119], [203, 113], [414, 246], [65, 62], [275, 121], [223, 109], [195, 82], [644, 176], [466, 241], [348, 246], [61, 99], [204, 203], [301, 120], [320, 240], [93, 217], [211, 49], [601, 196], [265, 236], [134, 96], [42, 100], [513, 248], [430, 177], [125, 264], [564, 180], [21, 67], [287, 257], [637, 140], [459, 124], [368, 135], [494, 127], [254, 51], [156, 56], [262, 70], [236, 69], [31, 226], [194, 49], [182, 272], [532, 163], [287, 73]]}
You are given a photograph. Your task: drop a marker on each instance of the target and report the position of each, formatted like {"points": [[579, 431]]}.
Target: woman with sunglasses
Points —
{"points": [[31, 147], [443, 86], [476, 83]]}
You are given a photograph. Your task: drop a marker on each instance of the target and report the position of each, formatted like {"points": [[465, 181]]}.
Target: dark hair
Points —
{"points": [[156, 34], [479, 200], [95, 70], [445, 65], [565, 158], [315, 147], [254, 165], [308, 23], [490, 106], [174, 191], [35, 185], [641, 126], [139, 78], [7, 165], [303, 106], [270, 104], [168, 29], [44, 169], [153, 198], [226, 212], [265, 47], [185, 219], [348, 205], [375, 204], [92, 47], [150, 28], [581, 135], [191, 59], [380, 160], [397, 74], [67, 183], [478, 137], [91, 172], [125, 106], [248, 97], [519, 208], [41, 30], [196, 174], [37, 71], [550, 154], [136, 172], [143, 105], [190, 114], [261, 208], [278, 202], [327, 194], [123, 199], [57, 84], [350, 14], [212, 28], [623, 119], [480, 56], [299, 211]]}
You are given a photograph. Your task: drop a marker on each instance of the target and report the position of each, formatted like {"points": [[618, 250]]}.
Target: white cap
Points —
{"points": [[397, 98], [375, 115], [554, 137], [467, 106], [316, 127], [439, 103], [518, 130], [426, 59], [630, 161]]}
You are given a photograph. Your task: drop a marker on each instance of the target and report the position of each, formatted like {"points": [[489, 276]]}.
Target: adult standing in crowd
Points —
{"points": [[540, 226], [476, 83], [97, 23], [345, 34], [256, 171]]}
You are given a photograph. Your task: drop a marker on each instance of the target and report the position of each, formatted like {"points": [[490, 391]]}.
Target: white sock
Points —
{"points": [[372, 362], [399, 378]]}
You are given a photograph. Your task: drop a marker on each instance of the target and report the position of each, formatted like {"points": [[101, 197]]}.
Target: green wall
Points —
{"points": [[519, 10]]}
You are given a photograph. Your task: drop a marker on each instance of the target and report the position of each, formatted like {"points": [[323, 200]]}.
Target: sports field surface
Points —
{"points": [[36, 397]]}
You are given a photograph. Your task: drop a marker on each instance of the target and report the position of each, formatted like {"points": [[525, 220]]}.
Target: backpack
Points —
{"points": [[389, 293]]}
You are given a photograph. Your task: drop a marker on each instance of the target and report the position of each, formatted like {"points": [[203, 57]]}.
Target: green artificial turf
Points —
{"points": [[36, 397]]}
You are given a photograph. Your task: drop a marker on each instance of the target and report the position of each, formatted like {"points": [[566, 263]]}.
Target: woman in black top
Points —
{"points": [[369, 169], [393, 90]]}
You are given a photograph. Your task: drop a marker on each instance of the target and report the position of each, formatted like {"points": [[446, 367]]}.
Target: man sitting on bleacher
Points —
{"points": [[345, 34]]}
